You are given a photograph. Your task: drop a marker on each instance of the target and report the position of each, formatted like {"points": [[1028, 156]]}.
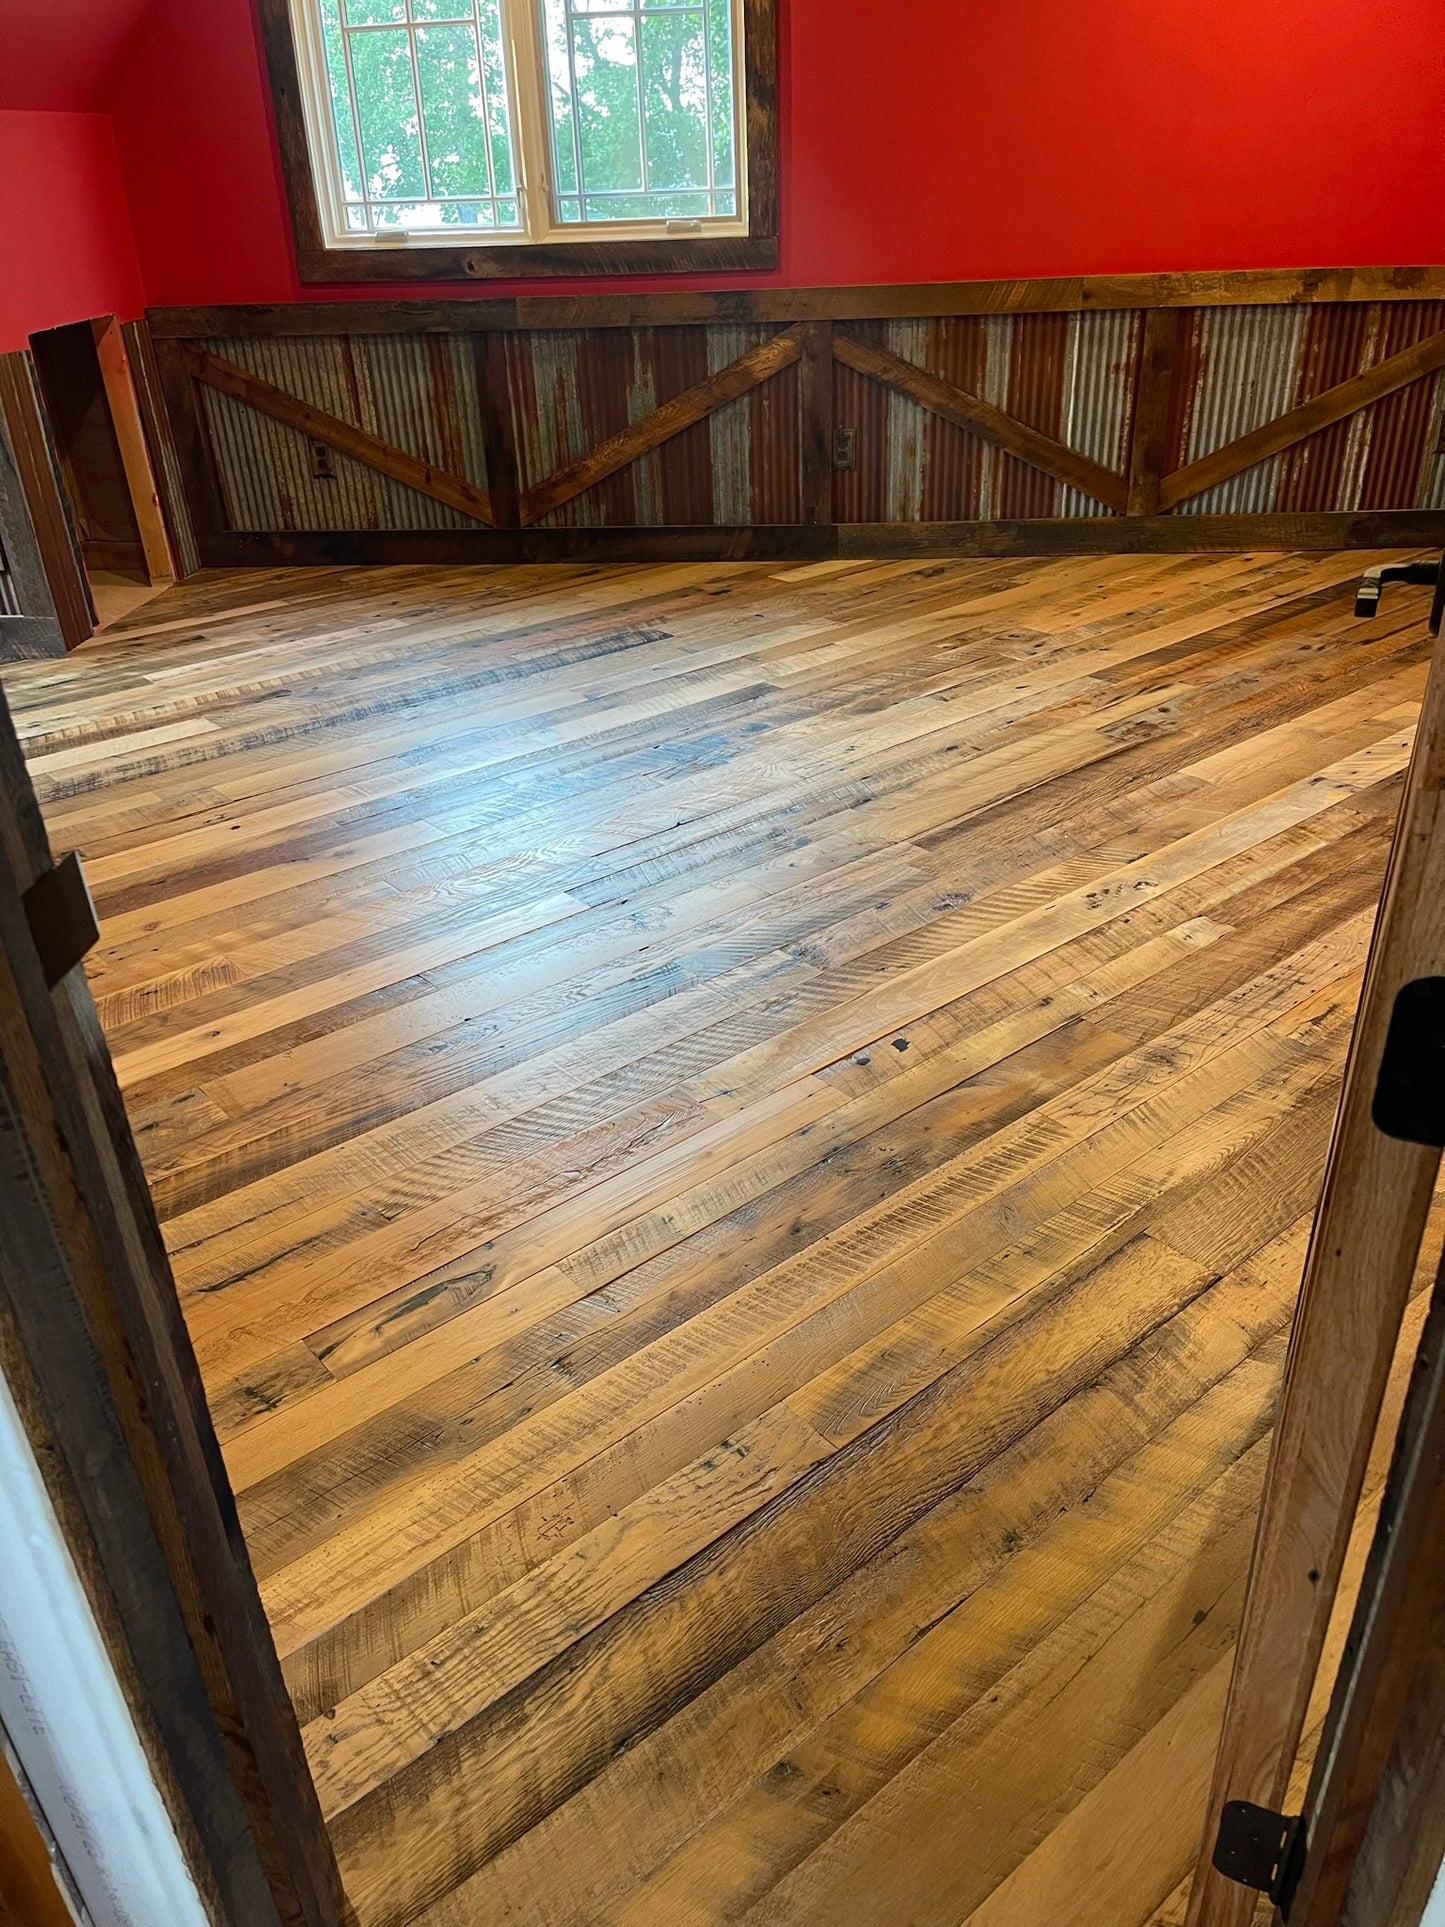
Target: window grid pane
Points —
{"points": [[419, 106], [640, 100]]}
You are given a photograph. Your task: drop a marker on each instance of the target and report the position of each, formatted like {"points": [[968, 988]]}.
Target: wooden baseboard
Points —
{"points": [[1122, 535]]}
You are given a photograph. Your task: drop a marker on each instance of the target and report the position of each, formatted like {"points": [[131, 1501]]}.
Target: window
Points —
{"points": [[447, 138]]}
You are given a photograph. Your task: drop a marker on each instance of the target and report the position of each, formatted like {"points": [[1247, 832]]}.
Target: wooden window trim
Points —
{"points": [[518, 261]]}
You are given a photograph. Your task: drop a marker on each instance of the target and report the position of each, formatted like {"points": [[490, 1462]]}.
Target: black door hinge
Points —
{"points": [[1409, 1100], [61, 917], [1259, 1848]]}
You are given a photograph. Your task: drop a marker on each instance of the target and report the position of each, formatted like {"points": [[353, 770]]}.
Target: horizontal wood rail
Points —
{"points": [[981, 418], [760, 364], [317, 425], [1334, 405], [1063, 295]]}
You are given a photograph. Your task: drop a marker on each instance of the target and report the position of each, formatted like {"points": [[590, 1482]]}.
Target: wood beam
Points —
{"points": [[499, 441], [983, 419], [1346, 398], [1402, 529], [140, 481], [1160, 354], [1212, 288], [749, 371], [317, 425], [815, 414], [161, 441]]}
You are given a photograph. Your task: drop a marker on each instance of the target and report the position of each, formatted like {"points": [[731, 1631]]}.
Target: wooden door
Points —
{"points": [[32, 621], [1362, 1257], [95, 1352]]}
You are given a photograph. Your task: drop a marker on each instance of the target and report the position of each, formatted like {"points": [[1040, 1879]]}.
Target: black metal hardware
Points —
{"points": [[62, 918], [1372, 583], [1257, 1847], [1409, 1099]]}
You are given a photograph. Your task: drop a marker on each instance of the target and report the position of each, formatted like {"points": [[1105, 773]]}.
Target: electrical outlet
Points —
{"points": [[321, 467], [842, 448]]}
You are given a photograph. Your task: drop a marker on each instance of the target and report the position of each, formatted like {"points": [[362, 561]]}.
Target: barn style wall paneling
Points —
{"points": [[319, 433]]}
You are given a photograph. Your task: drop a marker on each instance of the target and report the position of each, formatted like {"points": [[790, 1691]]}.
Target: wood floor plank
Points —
{"points": [[737, 1143]]}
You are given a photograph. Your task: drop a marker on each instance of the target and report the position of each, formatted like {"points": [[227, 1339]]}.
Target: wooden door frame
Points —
{"points": [[1373, 1825], [96, 1353], [1362, 1260], [56, 609]]}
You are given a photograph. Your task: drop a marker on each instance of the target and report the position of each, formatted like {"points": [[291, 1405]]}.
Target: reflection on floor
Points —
{"points": [[737, 1142]]}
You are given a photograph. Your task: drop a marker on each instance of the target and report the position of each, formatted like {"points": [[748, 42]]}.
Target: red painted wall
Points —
{"points": [[926, 140], [68, 252]]}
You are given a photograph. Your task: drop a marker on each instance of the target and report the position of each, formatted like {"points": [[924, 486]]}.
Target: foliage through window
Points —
{"points": [[523, 120]]}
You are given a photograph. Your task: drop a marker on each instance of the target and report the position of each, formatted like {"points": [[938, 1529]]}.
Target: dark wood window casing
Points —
{"points": [[755, 251]]}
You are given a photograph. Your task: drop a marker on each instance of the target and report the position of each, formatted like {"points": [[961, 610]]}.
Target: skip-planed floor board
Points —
{"points": [[737, 1143]]}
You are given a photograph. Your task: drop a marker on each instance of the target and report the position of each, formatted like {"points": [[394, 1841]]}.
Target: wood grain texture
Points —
{"points": [[125, 415], [738, 1140], [32, 454], [1073, 294]]}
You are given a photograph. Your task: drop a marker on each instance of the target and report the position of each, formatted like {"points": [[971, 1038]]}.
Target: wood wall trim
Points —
{"points": [[1104, 535], [1268, 287], [36, 629], [49, 511], [146, 375], [145, 500]]}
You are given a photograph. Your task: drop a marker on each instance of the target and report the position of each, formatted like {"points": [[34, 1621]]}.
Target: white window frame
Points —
{"points": [[526, 73]]}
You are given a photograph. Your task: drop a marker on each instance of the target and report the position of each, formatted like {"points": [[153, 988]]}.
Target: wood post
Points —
{"points": [[1160, 355], [815, 423]]}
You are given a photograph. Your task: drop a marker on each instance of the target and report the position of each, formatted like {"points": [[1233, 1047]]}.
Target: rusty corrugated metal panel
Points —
{"points": [[1038, 365], [679, 360], [859, 492], [954, 459], [773, 427], [1099, 396], [1430, 480], [1248, 362], [729, 431], [738, 465], [395, 387], [1399, 426], [1340, 339], [551, 432]]}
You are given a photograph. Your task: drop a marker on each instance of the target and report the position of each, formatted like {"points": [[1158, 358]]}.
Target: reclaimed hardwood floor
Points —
{"points": [[737, 1143]]}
